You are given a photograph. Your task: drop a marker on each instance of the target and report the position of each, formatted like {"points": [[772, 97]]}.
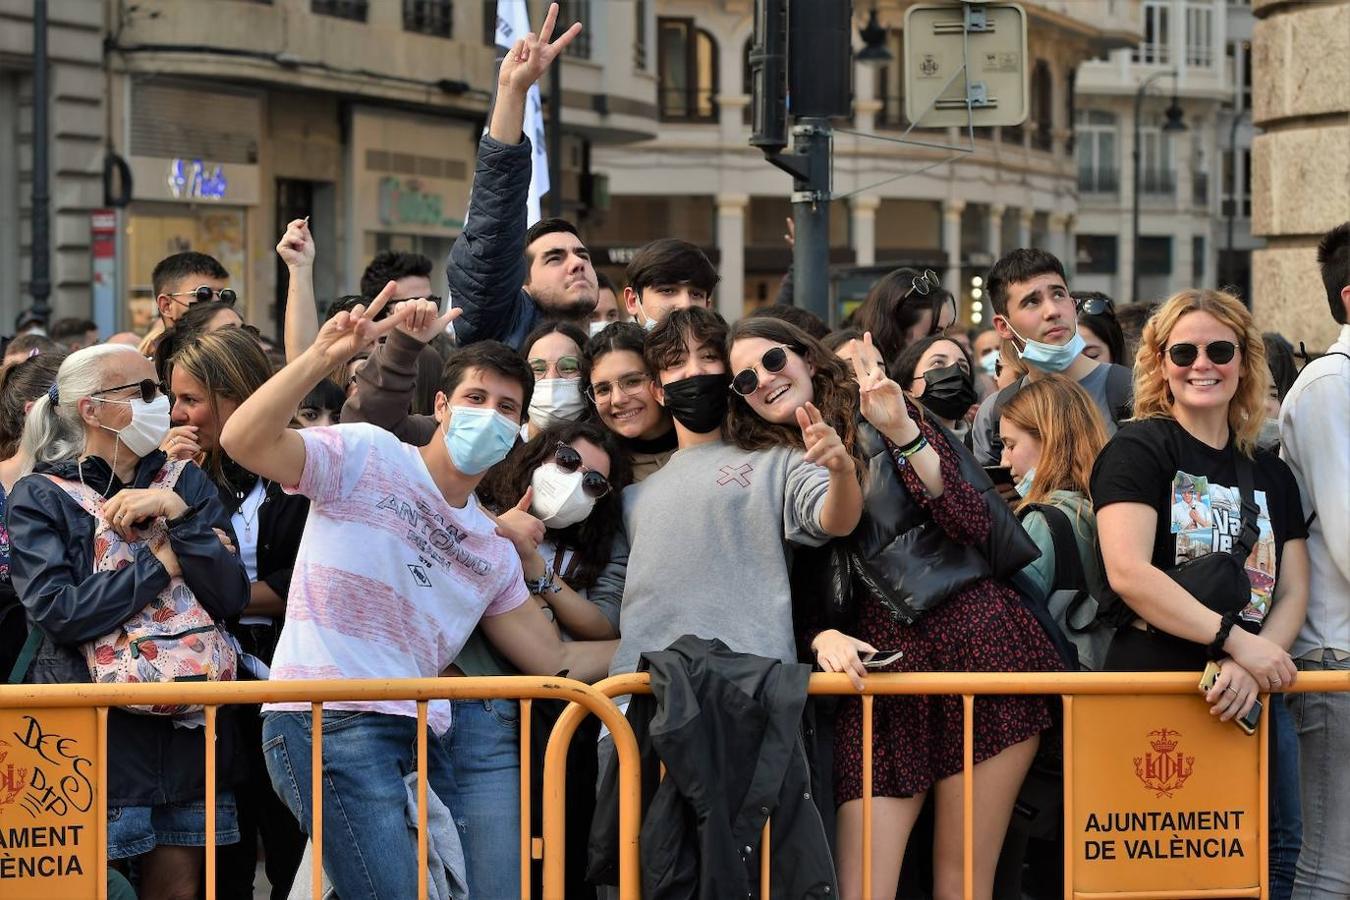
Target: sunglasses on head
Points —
{"points": [[923, 284], [593, 483], [746, 381], [150, 389], [1217, 352], [1096, 306], [206, 294]]}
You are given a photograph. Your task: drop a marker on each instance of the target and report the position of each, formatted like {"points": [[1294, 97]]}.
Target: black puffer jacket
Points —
{"points": [[52, 540]]}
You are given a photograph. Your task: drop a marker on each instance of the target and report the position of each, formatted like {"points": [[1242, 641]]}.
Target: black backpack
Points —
{"points": [[1074, 604], [1119, 397], [13, 632]]}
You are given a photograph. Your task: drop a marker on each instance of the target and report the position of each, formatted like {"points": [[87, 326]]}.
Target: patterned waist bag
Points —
{"points": [[173, 638]]}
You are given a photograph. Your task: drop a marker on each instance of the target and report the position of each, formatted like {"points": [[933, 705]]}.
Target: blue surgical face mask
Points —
{"points": [[989, 362], [478, 438], [1052, 358], [1024, 485]]}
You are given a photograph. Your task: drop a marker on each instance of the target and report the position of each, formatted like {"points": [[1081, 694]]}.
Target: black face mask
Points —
{"points": [[699, 403], [949, 392]]}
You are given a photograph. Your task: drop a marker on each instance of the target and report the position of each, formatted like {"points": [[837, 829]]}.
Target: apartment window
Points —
{"points": [[687, 64], [1042, 105], [1155, 48], [1239, 204], [640, 35], [341, 9], [1095, 137], [570, 11], [1155, 255], [1097, 254], [1199, 34], [891, 84], [1069, 100], [434, 17], [1198, 259], [1240, 59], [1156, 172]]}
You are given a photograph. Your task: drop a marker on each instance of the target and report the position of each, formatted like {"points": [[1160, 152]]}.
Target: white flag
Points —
{"points": [[513, 23]]}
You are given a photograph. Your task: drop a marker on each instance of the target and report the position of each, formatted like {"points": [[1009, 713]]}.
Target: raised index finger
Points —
{"points": [[803, 420], [381, 301], [550, 20]]}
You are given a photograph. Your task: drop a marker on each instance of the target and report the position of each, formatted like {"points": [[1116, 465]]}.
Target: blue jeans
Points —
{"points": [[483, 744], [1286, 820], [1323, 723], [369, 852]]}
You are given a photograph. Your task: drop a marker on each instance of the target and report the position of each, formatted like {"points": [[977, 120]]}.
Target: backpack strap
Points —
{"points": [[1120, 393], [1069, 574], [1251, 529]]}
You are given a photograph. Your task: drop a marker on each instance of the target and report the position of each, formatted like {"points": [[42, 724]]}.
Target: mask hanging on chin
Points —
{"points": [[1051, 358], [148, 427], [478, 438], [699, 403], [1026, 481], [556, 400]]}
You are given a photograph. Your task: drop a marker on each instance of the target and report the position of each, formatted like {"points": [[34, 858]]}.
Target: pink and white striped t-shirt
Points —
{"points": [[390, 579]]}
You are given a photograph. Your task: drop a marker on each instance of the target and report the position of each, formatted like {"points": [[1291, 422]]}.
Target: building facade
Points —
{"points": [[702, 181], [1193, 192]]}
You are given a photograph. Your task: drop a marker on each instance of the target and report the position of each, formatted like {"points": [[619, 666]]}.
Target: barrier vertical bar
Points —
{"points": [[968, 796], [421, 800], [867, 795], [316, 796], [526, 825], [1069, 846], [210, 739], [765, 884], [101, 805], [1263, 794]]}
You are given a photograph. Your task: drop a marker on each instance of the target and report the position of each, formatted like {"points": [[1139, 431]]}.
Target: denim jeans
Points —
{"points": [[369, 852], [483, 745], [1323, 724], [1286, 820]]}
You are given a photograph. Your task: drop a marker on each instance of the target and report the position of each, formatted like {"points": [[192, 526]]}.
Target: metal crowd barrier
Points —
{"points": [[598, 700]]}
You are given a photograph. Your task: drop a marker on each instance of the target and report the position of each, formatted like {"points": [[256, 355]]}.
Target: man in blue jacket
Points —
{"points": [[508, 279]]}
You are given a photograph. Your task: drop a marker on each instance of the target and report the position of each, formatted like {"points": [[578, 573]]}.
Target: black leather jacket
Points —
{"points": [[727, 727]]}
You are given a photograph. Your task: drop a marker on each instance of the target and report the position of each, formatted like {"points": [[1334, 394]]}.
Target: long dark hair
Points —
{"points": [[905, 369], [893, 307], [836, 395], [589, 539]]}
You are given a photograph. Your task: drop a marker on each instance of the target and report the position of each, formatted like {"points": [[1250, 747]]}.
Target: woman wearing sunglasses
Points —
{"points": [[913, 482], [623, 392], [558, 500], [95, 436], [554, 354], [1169, 490]]}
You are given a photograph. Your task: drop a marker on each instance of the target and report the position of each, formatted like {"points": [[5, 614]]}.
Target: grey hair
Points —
{"points": [[53, 433]]}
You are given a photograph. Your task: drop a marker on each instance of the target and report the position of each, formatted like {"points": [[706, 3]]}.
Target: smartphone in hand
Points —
{"points": [[881, 658], [1000, 476], [1248, 722]]}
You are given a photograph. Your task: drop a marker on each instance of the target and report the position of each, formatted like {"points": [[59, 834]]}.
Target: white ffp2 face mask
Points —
{"points": [[559, 500], [148, 427], [556, 400]]}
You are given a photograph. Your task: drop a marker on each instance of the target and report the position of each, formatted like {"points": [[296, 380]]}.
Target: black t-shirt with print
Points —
{"points": [[1193, 488]]}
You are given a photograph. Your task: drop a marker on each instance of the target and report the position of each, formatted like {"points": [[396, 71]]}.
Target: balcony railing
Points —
{"points": [[1156, 182], [1098, 181]]}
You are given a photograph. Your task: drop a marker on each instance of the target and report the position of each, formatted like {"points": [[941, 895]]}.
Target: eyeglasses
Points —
{"points": [[628, 385], [149, 388], [593, 483], [923, 284], [432, 297], [1217, 352], [568, 367], [774, 359], [1096, 306], [205, 294]]}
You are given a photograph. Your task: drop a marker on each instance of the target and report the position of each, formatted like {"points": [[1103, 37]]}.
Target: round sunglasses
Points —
{"points": [[774, 359], [593, 484], [206, 294], [1217, 352]]}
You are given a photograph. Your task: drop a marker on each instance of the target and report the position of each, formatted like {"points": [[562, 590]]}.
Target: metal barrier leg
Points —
{"points": [[765, 885], [316, 795], [968, 797], [101, 805], [526, 806], [867, 795], [211, 802], [1069, 847], [422, 800]]}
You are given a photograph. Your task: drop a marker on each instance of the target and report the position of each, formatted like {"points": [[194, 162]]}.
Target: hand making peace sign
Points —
{"points": [[881, 400], [533, 54], [348, 333]]}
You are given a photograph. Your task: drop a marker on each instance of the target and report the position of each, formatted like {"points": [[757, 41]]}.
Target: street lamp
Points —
{"points": [[1172, 125], [874, 41]]}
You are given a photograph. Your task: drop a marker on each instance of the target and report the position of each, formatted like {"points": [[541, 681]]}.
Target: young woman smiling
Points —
{"points": [[623, 391]]}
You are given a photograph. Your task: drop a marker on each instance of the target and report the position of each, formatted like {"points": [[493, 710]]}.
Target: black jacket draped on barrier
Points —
{"points": [[727, 727]]}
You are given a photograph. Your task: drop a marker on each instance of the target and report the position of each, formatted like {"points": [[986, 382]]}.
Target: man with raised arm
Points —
{"points": [[397, 565], [506, 275]]}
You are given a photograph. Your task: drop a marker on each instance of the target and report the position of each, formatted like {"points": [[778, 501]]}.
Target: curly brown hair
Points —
{"points": [[836, 394]]}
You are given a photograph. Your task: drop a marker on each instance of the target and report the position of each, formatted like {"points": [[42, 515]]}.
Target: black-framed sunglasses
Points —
{"points": [[205, 294], [774, 359], [1096, 306], [593, 483], [149, 388], [1217, 352], [923, 284]]}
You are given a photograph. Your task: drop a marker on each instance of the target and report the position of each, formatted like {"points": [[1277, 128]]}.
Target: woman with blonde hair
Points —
{"points": [[1052, 433]]}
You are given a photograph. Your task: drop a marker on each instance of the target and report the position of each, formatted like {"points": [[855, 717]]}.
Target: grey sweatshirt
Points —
{"points": [[706, 551]]}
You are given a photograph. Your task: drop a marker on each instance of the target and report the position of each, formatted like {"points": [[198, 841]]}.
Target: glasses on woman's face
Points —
{"points": [[149, 388], [746, 381], [1218, 352], [205, 294], [567, 367], [593, 483], [628, 385]]}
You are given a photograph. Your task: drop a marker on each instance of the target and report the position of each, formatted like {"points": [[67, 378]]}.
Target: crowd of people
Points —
{"points": [[552, 475]]}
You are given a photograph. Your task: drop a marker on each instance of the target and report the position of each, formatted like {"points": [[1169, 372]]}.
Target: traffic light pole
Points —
{"points": [[809, 164]]}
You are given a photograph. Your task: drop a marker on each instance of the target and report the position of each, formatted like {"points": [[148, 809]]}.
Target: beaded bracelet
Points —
{"points": [[912, 447]]}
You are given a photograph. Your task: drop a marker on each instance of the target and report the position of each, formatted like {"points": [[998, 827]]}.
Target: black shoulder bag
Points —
{"points": [[1219, 580]]}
